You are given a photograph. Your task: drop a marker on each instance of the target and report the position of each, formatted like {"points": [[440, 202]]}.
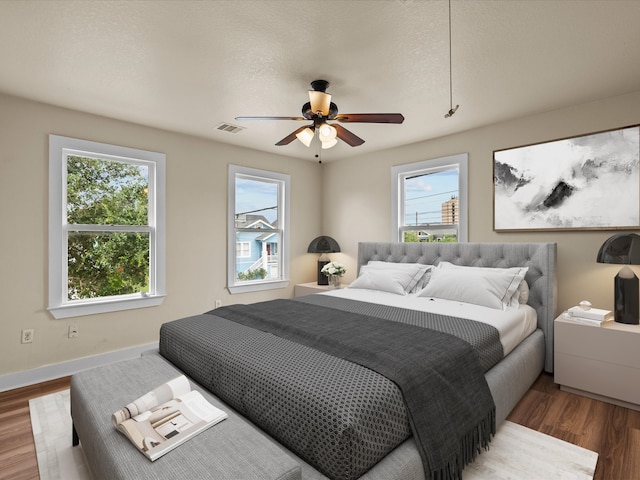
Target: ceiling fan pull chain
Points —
{"points": [[451, 109]]}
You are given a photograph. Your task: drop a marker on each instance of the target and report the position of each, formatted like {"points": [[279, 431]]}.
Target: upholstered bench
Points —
{"points": [[232, 449]]}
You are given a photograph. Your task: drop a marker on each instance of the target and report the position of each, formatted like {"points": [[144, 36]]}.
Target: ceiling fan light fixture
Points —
{"points": [[320, 102], [305, 136], [327, 133], [329, 143]]}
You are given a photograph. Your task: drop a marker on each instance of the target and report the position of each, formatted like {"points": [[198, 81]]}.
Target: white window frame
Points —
{"points": [[283, 229], [59, 304], [400, 172]]}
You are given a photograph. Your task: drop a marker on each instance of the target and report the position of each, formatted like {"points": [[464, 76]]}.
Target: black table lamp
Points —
{"points": [[323, 245], [623, 249]]}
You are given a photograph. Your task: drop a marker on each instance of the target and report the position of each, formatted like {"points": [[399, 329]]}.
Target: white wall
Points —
{"points": [[357, 205], [196, 232]]}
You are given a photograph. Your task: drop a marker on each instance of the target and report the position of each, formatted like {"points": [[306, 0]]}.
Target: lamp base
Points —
{"points": [[322, 278], [626, 298]]}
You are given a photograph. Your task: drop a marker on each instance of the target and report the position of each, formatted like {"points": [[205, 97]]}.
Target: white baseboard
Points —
{"points": [[51, 372]]}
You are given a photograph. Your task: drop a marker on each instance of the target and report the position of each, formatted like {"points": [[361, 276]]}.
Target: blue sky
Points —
{"points": [[254, 195], [425, 194]]}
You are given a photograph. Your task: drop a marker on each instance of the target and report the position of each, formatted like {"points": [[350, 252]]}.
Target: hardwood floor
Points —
{"points": [[613, 432]]}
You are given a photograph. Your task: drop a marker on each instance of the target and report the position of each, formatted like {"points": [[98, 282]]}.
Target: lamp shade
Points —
{"points": [[329, 143], [623, 248], [327, 132], [305, 136], [320, 102], [323, 244]]}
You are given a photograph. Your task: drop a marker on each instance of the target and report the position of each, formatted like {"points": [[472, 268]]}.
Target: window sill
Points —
{"points": [[105, 306], [256, 287]]}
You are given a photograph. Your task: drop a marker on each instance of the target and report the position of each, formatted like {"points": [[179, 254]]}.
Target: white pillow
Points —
{"points": [[378, 280], [408, 274], [521, 293], [480, 286]]}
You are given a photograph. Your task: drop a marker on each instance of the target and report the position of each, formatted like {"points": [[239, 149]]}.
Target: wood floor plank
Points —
{"points": [[631, 467], [566, 418], [531, 410], [593, 428]]}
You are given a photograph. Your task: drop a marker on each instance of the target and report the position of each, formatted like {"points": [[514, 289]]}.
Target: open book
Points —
{"points": [[166, 417]]}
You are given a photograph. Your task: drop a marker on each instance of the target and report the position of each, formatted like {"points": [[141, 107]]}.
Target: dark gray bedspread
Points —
{"points": [[340, 417]]}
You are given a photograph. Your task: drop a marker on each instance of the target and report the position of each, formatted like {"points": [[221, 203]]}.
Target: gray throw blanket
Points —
{"points": [[450, 407]]}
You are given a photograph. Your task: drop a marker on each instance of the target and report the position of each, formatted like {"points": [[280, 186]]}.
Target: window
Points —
{"points": [[106, 227], [258, 230], [430, 200], [243, 249]]}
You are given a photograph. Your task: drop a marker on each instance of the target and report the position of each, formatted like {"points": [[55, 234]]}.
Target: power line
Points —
{"points": [[258, 210], [432, 195]]}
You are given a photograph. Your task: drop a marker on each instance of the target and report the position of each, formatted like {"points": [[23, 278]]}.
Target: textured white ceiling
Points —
{"points": [[187, 66]]}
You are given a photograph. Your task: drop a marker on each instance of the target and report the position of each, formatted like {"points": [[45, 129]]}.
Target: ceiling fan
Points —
{"points": [[319, 109]]}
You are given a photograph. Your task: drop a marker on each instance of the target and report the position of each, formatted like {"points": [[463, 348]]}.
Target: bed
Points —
{"points": [[338, 416]]}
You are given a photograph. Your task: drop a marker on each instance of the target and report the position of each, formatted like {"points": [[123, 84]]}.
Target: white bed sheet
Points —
{"points": [[513, 325]]}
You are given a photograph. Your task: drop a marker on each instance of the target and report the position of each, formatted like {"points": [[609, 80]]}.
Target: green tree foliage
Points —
{"points": [[256, 274], [102, 263], [411, 237]]}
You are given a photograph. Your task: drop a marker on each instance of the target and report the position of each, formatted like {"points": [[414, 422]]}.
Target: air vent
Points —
{"points": [[227, 127]]}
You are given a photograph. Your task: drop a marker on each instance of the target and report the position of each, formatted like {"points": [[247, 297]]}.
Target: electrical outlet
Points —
{"points": [[218, 303], [27, 335], [73, 331]]}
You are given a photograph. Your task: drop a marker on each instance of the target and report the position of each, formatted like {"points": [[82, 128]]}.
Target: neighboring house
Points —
{"points": [[256, 250]]}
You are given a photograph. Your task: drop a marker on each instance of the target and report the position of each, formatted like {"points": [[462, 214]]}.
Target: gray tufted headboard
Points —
{"points": [[539, 257]]}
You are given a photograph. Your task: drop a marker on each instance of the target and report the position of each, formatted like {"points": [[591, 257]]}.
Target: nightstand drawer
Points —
{"points": [[606, 379]]}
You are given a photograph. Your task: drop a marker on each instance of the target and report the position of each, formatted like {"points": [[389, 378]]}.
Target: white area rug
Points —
{"points": [[516, 453], [51, 425]]}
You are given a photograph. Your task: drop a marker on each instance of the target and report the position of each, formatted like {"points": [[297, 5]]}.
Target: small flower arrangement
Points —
{"points": [[334, 268]]}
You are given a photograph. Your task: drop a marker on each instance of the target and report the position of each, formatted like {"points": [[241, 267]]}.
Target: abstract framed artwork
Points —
{"points": [[587, 182]]}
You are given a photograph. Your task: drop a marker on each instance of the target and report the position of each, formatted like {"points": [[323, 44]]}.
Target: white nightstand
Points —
{"points": [[598, 362], [302, 289]]}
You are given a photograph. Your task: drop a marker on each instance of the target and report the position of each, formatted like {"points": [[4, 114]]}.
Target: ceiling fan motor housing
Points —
{"points": [[320, 85]]}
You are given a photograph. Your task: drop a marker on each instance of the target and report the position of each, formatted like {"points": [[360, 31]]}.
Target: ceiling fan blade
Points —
{"points": [[290, 138], [271, 118], [347, 136], [370, 117]]}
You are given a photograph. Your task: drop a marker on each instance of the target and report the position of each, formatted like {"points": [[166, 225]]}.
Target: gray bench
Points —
{"points": [[232, 449]]}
